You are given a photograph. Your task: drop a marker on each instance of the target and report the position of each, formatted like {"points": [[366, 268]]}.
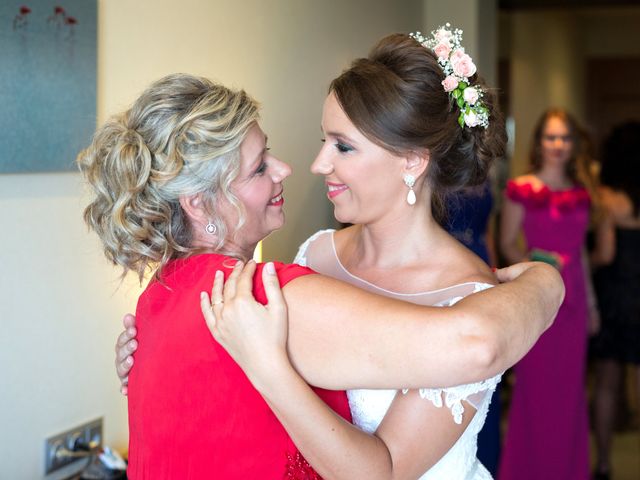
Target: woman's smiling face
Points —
{"points": [[556, 142], [259, 188], [364, 180]]}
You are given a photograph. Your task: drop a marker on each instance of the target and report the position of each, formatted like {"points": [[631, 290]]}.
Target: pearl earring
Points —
{"points": [[210, 228], [410, 181]]}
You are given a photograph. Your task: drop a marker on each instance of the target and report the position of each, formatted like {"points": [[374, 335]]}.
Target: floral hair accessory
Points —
{"points": [[458, 67]]}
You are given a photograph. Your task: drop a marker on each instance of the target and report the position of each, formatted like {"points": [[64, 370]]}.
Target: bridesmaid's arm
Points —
{"points": [[605, 235], [511, 219], [593, 326]]}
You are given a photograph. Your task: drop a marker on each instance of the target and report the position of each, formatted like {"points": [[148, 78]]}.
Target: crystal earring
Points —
{"points": [[410, 181], [210, 228]]}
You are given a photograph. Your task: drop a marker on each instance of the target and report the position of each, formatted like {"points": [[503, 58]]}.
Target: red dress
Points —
{"points": [[192, 412]]}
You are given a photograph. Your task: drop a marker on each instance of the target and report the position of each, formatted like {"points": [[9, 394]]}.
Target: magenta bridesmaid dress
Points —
{"points": [[547, 433]]}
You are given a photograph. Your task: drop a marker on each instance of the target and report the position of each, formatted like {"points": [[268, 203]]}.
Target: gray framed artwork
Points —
{"points": [[47, 83]]}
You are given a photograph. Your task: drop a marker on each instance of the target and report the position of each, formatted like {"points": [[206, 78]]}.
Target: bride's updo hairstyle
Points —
{"points": [[181, 137], [395, 97]]}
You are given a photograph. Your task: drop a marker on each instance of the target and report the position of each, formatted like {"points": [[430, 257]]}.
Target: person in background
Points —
{"points": [[547, 433], [468, 219], [468, 215], [616, 258]]}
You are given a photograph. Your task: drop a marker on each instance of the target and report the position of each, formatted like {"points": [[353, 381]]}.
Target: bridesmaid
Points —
{"points": [[547, 435]]}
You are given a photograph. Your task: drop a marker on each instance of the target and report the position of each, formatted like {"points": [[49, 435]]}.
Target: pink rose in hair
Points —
{"points": [[450, 83], [470, 95], [462, 64], [442, 50]]}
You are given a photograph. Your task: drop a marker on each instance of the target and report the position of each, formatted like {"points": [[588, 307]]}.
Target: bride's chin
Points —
{"points": [[341, 217]]}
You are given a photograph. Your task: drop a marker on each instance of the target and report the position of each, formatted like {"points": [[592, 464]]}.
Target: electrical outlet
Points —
{"points": [[93, 434], [74, 439], [58, 448]]}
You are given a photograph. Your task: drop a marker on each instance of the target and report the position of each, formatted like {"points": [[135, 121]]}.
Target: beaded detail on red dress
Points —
{"points": [[299, 469]]}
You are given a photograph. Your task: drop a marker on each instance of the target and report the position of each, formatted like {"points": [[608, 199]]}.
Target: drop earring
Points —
{"points": [[210, 228], [410, 181]]}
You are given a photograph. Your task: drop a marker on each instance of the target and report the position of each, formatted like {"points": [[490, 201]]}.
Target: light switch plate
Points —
{"points": [[88, 434]]}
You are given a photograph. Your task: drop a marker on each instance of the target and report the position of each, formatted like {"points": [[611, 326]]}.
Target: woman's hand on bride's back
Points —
{"points": [[126, 345], [255, 335]]}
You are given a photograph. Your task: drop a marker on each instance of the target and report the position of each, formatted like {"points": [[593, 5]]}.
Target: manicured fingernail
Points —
{"points": [[128, 360], [494, 269], [271, 269], [238, 264], [203, 295]]}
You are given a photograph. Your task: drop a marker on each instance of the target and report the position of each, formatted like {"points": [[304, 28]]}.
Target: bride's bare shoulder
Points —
{"points": [[463, 266], [344, 238]]}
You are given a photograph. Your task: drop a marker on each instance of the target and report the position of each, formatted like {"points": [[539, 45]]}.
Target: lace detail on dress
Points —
{"points": [[299, 469], [301, 256], [454, 396]]}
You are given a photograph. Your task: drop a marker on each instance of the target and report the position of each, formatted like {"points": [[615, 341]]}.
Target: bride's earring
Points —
{"points": [[210, 228], [410, 181]]}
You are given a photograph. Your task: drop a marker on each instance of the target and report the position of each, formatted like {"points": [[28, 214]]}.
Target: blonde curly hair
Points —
{"points": [[181, 137]]}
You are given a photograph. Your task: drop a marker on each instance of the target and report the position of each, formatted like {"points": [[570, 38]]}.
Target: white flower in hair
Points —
{"points": [[471, 119], [470, 95], [458, 68], [442, 35]]}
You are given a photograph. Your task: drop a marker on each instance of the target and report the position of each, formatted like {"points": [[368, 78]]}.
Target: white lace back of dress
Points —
{"points": [[368, 407]]}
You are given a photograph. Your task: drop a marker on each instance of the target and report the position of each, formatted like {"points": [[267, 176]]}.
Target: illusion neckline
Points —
{"points": [[391, 292]]}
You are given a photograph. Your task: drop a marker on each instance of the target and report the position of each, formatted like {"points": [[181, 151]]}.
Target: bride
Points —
{"points": [[393, 146]]}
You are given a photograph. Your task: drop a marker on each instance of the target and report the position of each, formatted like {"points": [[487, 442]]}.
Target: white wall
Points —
{"points": [[477, 19], [58, 313], [60, 307], [548, 50], [545, 71]]}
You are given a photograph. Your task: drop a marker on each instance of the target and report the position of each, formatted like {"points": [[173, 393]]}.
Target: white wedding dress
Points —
{"points": [[368, 407]]}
